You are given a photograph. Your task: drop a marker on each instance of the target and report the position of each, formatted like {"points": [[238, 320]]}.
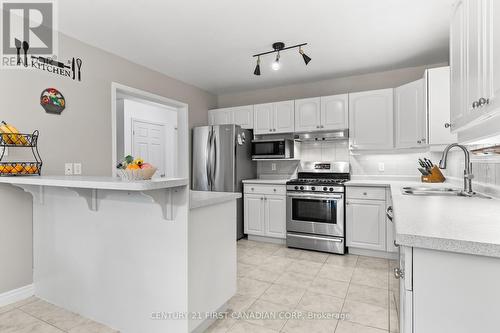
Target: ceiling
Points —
{"points": [[209, 44]]}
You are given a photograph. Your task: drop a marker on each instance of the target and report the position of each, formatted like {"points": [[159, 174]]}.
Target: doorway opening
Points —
{"points": [[149, 126]]}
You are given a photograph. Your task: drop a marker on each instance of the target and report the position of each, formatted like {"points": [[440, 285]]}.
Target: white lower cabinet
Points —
{"points": [[275, 216], [448, 292], [254, 214], [265, 210], [366, 224]]}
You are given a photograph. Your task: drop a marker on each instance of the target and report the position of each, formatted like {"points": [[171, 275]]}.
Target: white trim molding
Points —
{"points": [[17, 295]]}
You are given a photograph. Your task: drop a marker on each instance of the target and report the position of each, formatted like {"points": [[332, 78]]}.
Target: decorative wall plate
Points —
{"points": [[52, 101]]}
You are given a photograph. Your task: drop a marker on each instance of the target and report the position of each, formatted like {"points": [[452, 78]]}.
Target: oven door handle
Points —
{"points": [[314, 196], [337, 240]]}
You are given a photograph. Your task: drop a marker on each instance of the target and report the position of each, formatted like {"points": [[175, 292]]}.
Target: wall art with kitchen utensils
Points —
{"points": [[71, 69], [52, 101], [12, 139]]}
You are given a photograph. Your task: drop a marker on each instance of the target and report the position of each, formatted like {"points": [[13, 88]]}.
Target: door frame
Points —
{"points": [[182, 167]]}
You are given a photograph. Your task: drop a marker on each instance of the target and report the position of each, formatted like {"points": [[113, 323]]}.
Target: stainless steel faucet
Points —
{"points": [[468, 176]]}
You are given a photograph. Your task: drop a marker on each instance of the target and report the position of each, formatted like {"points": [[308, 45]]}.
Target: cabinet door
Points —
{"points": [[492, 43], [365, 222], [474, 48], [371, 123], [307, 114], [275, 224], [220, 117], [254, 214], [410, 115], [243, 116], [334, 112], [284, 117], [263, 118], [438, 106], [457, 65]]}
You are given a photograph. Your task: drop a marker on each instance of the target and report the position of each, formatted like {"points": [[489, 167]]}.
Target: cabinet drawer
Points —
{"points": [[265, 189], [369, 193]]}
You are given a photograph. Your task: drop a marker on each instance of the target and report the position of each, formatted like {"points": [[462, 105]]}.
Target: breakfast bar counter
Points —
{"points": [[113, 251]]}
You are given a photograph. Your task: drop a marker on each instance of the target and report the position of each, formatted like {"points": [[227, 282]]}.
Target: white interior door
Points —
{"points": [[148, 143]]}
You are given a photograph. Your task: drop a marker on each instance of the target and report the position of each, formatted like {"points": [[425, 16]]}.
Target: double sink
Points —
{"points": [[439, 191]]}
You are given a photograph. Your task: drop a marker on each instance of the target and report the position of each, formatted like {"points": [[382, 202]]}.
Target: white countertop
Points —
{"points": [[447, 223], [266, 181], [206, 198], [107, 183]]}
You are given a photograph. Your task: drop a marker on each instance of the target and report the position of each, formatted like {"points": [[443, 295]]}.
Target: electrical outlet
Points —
{"points": [[77, 168], [273, 166], [68, 169], [381, 166]]}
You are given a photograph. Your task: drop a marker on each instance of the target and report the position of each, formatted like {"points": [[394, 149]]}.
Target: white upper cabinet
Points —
{"points": [[475, 63], [492, 69], [438, 106], [410, 115], [240, 115], [273, 118], [334, 112], [457, 63], [243, 116], [263, 118], [220, 117], [371, 124], [284, 117], [308, 114]]}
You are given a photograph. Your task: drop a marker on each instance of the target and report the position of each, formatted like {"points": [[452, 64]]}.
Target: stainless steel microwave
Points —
{"points": [[272, 148]]}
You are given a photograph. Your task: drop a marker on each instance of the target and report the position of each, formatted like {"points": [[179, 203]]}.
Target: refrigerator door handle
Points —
{"points": [[214, 161], [209, 154]]}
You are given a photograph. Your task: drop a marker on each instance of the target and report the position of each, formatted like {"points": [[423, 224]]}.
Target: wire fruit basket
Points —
{"points": [[20, 140]]}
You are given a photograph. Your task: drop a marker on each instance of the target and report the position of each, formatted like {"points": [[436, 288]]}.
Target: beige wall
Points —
{"points": [[81, 134], [388, 79]]}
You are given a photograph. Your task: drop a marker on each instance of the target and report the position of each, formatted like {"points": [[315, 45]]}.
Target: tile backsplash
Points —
{"points": [[486, 169]]}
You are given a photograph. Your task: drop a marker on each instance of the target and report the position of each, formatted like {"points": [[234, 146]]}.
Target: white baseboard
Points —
{"points": [[17, 295]]}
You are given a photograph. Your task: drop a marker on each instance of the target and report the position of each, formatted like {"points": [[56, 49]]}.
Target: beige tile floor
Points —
{"points": [[36, 316], [273, 278]]}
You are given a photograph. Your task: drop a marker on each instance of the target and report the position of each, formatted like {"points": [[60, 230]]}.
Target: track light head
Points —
{"points": [[257, 68], [276, 63], [306, 58]]}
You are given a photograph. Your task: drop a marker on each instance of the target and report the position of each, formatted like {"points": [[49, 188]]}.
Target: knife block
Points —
{"points": [[435, 177]]}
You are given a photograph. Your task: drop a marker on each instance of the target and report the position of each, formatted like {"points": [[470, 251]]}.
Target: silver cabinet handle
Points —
{"points": [[389, 213], [419, 142], [475, 104], [252, 189], [447, 125], [274, 190], [270, 130], [396, 244], [399, 273], [262, 198], [424, 140], [483, 101], [317, 126], [364, 193]]}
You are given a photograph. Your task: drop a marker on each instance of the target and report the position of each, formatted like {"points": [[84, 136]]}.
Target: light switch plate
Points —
{"points": [[68, 169], [381, 166], [77, 168]]}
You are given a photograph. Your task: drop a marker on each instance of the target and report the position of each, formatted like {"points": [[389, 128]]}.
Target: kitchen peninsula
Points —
{"points": [[117, 252]]}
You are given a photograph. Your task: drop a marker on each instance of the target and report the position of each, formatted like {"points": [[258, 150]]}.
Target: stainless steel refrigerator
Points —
{"points": [[222, 158]]}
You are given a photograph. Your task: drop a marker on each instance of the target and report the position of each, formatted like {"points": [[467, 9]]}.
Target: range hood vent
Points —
{"points": [[323, 136]]}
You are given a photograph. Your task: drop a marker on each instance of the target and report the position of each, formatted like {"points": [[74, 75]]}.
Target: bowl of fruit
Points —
{"points": [[131, 169]]}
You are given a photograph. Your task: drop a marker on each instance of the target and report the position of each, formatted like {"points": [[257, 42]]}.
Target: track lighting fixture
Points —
{"points": [[257, 68], [278, 47], [306, 58]]}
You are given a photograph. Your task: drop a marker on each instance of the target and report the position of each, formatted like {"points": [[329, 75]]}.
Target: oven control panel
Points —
{"points": [[315, 188]]}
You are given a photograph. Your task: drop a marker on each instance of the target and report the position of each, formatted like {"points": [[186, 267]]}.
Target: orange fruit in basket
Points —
{"points": [[133, 167], [19, 167], [8, 168], [2, 168]]}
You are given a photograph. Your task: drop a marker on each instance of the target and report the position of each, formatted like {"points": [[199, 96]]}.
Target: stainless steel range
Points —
{"points": [[315, 207]]}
